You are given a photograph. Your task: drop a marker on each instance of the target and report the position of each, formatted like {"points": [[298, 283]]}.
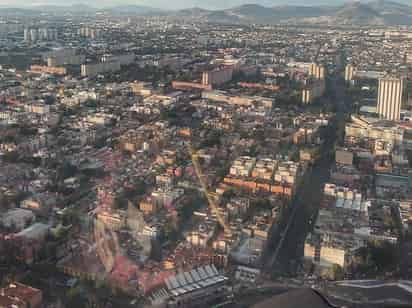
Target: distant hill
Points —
{"points": [[16, 11], [75, 8], [376, 12], [133, 9], [358, 13]]}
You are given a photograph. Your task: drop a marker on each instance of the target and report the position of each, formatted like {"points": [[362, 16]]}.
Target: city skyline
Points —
{"points": [[222, 155]]}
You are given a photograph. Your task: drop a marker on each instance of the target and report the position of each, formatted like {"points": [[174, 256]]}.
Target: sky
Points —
{"points": [[177, 4]]}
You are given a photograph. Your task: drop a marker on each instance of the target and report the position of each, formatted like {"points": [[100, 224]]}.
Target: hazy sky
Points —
{"points": [[176, 4]]}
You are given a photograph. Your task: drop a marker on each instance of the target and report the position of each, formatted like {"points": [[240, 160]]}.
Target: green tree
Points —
{"points": [[11, 157], [335, 272]]}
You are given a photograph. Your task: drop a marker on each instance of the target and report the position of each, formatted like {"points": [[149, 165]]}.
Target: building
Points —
{"points": [[44, 34], [390, 98], [88, 32], [201, 287], [349, 72], [312, 91], [53, 70], [92, 70], [243, 100], [18, 295], [247, 274], [115, 220], [123, 59], [317, 71], [60, 58], [362, 128], [409, 57], [217, 76]]}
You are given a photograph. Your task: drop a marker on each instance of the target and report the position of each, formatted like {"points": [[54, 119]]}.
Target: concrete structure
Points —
{"points": [[201, 287], [123, 59], [390, 98], [217, 76], [312, 91], [43, 34], [92, 70], [221, 96], [317, 71], [65, 60], [50, 69], [88, 32], [349, 72], [247, 274], [344, 157]]}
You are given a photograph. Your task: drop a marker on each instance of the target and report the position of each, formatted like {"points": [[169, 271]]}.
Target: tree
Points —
{"points": [[11, 157], [71, 217], [335, 272], [66, 170], [376, 258]]}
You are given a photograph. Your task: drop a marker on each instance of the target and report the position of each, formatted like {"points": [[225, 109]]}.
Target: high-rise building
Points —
{"points": [[44, 34], [217, 76], [312, 91], [409, 56], [26, 35], [390, 98], [349, 72], [317, 71]]}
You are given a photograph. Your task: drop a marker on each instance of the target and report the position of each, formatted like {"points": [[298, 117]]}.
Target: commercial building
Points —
{"points": [[59, 60], [312, 91], [221, 96], [349, 72], [390, 98], [362, 128], [43, 34], [89, 32], [50, 69], [217, 76], [92, 70], [200, 287], [123, 59], [317, 71], [345, 223], [409, 57]]}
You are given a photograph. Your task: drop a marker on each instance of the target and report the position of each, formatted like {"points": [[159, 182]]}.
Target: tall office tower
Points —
{"points": [[349, 71], [27, 35], [317, 71], [409, 56], [390, 98], [312, 69]]}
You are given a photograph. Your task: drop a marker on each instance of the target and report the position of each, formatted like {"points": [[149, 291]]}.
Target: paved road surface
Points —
{"points": [[287, 242]]}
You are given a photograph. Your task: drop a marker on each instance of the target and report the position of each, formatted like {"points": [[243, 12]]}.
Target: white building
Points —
{"points": [[390, 98]]}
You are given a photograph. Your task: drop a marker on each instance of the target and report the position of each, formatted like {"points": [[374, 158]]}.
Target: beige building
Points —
{"points": [[317, 71], [349, 72], [217, 76], [326, 256], [390, 98], [92, 70], [312, 91]]}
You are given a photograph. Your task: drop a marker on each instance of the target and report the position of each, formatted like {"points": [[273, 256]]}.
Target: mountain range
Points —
{"points": [[377, 12]]}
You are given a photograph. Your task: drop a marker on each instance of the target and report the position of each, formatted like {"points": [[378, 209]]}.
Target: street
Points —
{"points": [[287, 241]]}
